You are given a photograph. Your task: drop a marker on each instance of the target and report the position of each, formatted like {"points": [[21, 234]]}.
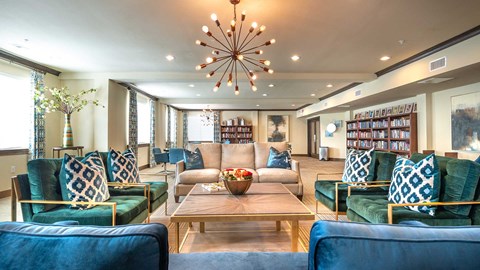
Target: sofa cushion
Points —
{"points": [[237, 156], [459, 180], [415, 182], [83, 180], [276, 175], [128, 210], [357, 165], [44, 246], [373, 208], [211, 154], [262, 152], [44, 183], [193, 159], [277, 159], [122, 167], [192, 177]]}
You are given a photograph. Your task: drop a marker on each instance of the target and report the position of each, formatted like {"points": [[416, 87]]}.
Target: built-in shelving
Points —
{"points": [[237, 134]]}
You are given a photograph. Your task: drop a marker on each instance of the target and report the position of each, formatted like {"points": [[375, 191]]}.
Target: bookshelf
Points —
{"points": [[237, 134], [393, 133]]}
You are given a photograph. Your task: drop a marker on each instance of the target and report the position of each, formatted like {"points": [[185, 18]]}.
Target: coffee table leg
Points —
{"points": [[279, 225], [202, 227], [177, 237], [294, 235]]}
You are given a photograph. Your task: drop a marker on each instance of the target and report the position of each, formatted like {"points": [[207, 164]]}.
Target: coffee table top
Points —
{"points": [[270, 201]]}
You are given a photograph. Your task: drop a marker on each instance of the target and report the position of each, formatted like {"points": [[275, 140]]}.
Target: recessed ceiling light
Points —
{"points": [[258, 105], [264, 95], [385, 58], [170, 57], [198, 95], [271, 85], [295, 57], [312, 95], [191, 85], [329, 85], [293, 105]]}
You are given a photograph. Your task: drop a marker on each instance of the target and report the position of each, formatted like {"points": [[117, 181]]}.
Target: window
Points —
{"points": [[16, 110], [143, 112]]}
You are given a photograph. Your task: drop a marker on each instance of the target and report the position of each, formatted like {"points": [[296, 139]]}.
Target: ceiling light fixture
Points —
{"points": [[385, 58], [264, 95], [329, 85], [170, 57], [191, 85], [271, 85], [207, 117], [312, 95], [295, 58], [235, 51]]}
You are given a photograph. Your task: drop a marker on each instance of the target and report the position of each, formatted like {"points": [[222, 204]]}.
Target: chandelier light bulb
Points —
{"points": [[254, 25], [209, 60], [215, 52], [232, 25], [198, 67], [198, 42], [240, 57], [215, 89], [229, 33], [265, 62], [259, 52], [262, 28], [205, 29], [214, 17], [210, 74], [270, 71], [244, 14], [237, 92], [229, 83]]}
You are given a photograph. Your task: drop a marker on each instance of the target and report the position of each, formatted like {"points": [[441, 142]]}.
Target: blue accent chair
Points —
{"points": [[175, 155], [161, 158]]}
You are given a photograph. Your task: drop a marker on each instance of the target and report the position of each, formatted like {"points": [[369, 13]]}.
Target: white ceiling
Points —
{"points": [[340, 42]]}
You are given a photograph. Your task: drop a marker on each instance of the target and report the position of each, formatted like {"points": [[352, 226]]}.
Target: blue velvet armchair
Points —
{"points": [[161, 158]]}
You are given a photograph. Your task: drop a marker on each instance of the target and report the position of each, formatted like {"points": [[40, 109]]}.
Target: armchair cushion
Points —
{"points": [[357, 166], [122, 167], [193, 159], [43, 181], [83, 180], [129, 210], [277, 159], [159, 156], [415, 182]]}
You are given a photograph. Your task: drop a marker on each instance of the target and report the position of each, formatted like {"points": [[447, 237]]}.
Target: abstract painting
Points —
{"points": [[277, 128], [466, 122]]}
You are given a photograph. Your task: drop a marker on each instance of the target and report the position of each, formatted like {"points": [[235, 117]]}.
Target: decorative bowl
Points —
{"points": [[237, 187]]}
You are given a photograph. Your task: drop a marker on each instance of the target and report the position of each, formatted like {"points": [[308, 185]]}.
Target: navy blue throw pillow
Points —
{"points": [[478, 160], [193, 160], [278, 159]]}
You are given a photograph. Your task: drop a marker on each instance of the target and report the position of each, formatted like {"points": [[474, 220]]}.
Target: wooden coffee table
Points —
{"points": [[262, 202]]}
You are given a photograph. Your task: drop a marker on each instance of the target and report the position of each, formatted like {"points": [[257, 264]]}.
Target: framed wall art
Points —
{"points": [[278, 128], [466, 122]]}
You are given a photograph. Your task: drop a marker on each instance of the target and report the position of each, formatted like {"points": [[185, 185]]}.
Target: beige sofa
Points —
{"points": [[252, 156]]}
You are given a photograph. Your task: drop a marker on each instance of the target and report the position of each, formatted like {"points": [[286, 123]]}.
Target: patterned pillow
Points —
{"points": [[478, 160], [357, 165], [413, 183], [122, 167], [277, 159], [193, 160], [84, 180]]}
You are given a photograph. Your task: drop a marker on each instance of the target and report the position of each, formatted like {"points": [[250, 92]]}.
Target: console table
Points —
{"points": [[61, 148]]}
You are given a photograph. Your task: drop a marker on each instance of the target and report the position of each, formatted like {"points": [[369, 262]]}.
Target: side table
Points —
{"points": [[61, 148]]}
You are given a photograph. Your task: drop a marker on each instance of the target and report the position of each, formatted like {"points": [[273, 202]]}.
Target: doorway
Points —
{"points": [[313, 136]]}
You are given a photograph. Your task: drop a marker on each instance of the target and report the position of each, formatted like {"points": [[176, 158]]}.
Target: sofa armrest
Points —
{"points": [[179, 167], [296, 166], [392, 205]]}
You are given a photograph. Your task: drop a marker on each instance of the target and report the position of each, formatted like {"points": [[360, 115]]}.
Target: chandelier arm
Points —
{"points": [[218, 49], [223, 75], [236, 76], [253, 48], [221, 43], [246, 44], [243, 42], [229, 44], [253, 63], [253, 59], [245, 69], [223, 64], [240, 33]]}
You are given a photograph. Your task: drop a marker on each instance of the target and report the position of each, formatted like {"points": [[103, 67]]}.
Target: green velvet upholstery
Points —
{"points": [[373, 209], [44, 185], [130, 209], [459, 182], [157, 190], [380, 170]]}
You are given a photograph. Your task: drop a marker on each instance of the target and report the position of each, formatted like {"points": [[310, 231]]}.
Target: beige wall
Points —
{"points": [[336, 143], [117, 117], [6, 163], [143, 156], [442, 126]]}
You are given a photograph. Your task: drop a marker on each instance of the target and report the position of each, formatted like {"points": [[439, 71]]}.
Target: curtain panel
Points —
{"points": [[185, 129], [133, 122], [37, 135], [216, 127], [152, 132]]}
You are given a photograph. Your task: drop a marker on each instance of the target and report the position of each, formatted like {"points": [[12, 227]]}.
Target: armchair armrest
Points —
{"points": [[146, 191], [391, 205], [111, 204], [319, 174]]}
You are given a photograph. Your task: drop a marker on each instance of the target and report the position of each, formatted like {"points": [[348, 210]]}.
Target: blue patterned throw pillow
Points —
{"points": [[414, 183], [357, 165], [193, 160], [277, 159], [84, 180], [122, 167], [478, 160]]}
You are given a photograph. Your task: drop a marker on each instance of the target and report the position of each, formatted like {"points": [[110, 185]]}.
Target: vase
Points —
{"points": [[237, 187], [67, 132]]}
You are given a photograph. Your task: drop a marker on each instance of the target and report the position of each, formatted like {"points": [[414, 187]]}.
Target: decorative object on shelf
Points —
{"points": [[235, 51], [63, 101], [277, 128], [207, 117], [237, 181], [466, 122]]}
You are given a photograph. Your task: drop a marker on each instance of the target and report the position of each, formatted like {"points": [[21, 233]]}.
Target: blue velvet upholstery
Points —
{"points": [[159, 156], [33, 246], [350, 245], [175, 155]]}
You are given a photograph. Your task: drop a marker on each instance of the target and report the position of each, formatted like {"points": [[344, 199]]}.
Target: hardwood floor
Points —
{"points": [[243, 236]]}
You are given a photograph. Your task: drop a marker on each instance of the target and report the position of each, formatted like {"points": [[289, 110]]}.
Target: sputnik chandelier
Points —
{"points": [[207, 117], [235, 53]]}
